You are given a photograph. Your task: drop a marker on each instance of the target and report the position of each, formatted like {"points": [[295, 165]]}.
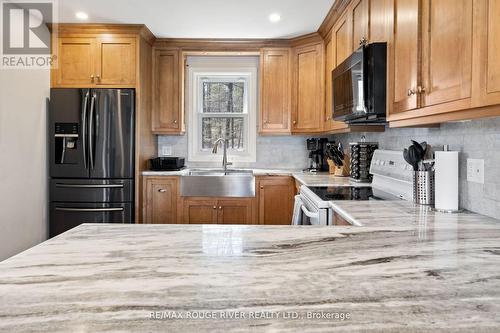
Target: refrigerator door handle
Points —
{"points": [[84, 127], [89, 185], [90, 210], [91, 130]]}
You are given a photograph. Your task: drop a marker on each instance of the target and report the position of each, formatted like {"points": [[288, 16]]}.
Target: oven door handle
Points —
{"points": [[309, 213]]}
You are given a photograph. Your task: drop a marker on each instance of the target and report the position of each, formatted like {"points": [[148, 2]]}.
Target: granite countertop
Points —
{"points": [[256, 172], [438, 275], [305, 178]]}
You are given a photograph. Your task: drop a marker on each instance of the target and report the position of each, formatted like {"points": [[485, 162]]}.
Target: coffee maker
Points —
{"points": [[317, 160]]}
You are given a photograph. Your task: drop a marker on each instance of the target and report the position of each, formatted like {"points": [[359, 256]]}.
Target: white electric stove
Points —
{"points": [[392, 180]]}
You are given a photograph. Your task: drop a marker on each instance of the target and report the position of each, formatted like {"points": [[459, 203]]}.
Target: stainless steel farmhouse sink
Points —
{"points": [[218, 183]]}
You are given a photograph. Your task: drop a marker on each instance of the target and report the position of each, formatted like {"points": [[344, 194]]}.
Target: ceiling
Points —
{"points": [[204, 18]]}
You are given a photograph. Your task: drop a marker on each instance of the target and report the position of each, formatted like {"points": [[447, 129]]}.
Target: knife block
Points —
{"points": [[343, 171]]}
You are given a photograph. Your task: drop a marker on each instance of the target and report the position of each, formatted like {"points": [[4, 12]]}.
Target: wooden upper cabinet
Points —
{"points": [[89, 62], [446, 51], [308, 107], [487, 53], [167, 115], [360, 23], [160, 200], [329, 123], [116, 61], [75, 64], [275, 196], [235, 211], [341, 40], [275, 90], [380, 20], [406, 55]]}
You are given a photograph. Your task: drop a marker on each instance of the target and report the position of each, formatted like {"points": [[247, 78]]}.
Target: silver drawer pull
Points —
{"points": [[162, 190], [89, 185], [91, 210]]}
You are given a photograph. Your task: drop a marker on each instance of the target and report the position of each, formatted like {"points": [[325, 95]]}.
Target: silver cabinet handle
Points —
{"points": [[89, 185], [215, 207], [420, 89], [162, 190], [175, 121], [411, 92], [220, 207], [90, 210]]}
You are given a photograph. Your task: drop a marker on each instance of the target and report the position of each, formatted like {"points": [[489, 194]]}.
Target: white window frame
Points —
{"points": [[235, 68]]}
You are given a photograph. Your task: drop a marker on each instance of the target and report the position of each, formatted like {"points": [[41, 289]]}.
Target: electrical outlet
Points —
{"points": [[475, 171], [166, 151]]}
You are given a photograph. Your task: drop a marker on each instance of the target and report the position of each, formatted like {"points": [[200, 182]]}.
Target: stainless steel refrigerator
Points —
{"points": [[91, 157]]}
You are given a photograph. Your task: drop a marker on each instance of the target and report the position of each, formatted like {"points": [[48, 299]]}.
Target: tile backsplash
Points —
{"points": [[284, 152], [478, 139]]}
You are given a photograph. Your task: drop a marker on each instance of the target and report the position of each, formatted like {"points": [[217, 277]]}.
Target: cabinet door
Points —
{"points": [[116, 61], [446, 51], [406, 55], [487, 52], [75, 62], [360, 23], [341, 41], [275, 196], [198, 211], [160, 200], [237, 211], [275, 90], [380, 20], [308, 107], [167, 100]]}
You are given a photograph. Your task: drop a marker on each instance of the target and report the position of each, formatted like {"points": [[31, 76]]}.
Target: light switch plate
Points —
{"points": [[475, 171], [166, 151]]}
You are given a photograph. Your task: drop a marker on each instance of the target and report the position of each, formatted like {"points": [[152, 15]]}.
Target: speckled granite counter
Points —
{"points": [[443, 278], [305, 178], [324, 179]]}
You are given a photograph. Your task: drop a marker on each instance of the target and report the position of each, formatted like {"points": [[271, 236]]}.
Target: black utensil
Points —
{"points": [[340, 148], [414, 157], [335, 157], [419, 150]]}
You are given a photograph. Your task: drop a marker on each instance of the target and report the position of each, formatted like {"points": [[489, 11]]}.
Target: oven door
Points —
{"points": [[311, 213]]}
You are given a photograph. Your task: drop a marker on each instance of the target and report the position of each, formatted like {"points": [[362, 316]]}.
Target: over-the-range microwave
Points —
{"points": [[359, 86]]}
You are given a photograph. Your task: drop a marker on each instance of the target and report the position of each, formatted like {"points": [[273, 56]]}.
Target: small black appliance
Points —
{"points": [[317, 157], [166, 163]]}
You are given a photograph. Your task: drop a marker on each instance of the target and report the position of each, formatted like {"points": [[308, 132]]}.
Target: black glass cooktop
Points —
{"points": [[345, 193]]}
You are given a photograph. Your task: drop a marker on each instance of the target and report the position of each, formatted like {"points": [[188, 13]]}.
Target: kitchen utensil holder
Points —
{"points": [[342, 171], [423, 187]]}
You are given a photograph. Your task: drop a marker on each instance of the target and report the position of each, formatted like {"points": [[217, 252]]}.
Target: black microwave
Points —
{"points": [[359, 86]]}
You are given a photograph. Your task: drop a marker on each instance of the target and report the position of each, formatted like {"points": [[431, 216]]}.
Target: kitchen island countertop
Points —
{"points": [[437, 275]]}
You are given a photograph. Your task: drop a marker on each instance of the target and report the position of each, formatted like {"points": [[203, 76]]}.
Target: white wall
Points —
{"points": [[23, 171]]}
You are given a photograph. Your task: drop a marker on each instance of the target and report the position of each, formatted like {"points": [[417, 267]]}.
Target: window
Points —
{"points": [[222, 104]]}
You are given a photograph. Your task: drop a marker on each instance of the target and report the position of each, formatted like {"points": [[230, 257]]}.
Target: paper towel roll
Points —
{"points": [[446, 178]]}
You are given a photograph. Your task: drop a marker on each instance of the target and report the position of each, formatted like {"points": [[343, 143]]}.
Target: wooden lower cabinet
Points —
{"points": [[200, 211], [218, 210], [275, 195], [340, 221], [160, 200]]}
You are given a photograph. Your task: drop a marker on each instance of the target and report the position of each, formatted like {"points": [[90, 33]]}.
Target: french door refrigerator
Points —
{"points": [[91, 152]]}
